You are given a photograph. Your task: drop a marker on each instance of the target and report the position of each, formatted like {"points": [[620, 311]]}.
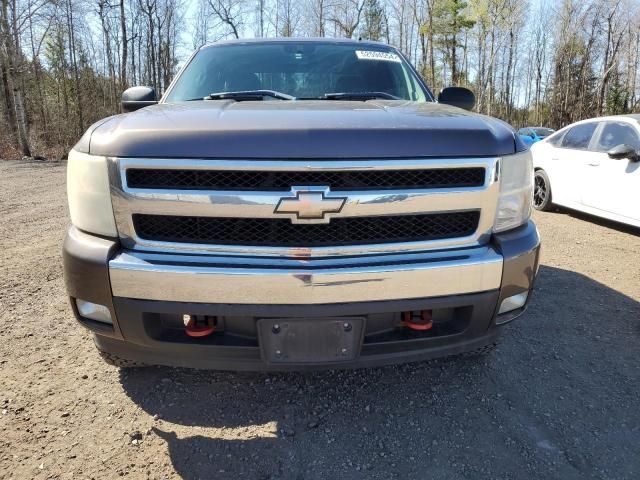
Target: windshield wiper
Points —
{"points": [[248, 95], [360, 96]]}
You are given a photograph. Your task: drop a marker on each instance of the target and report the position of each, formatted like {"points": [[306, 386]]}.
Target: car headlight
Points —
{"points": [[516, 191], [88, 194]]}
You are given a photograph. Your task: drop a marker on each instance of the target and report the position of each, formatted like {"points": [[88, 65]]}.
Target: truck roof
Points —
{"points": [[296, 40]]}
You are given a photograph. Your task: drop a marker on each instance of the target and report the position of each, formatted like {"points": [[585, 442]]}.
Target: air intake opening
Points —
{"points": [[281, 232], [176, 179]]}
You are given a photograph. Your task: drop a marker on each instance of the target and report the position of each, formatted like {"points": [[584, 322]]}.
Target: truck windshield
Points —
{"points": [[304, 70]]}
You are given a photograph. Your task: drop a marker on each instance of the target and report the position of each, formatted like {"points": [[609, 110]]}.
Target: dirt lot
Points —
{"points": [[558, 399]]}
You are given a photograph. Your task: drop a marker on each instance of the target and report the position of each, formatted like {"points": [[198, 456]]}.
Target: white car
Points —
{"points": [[592, 166]]}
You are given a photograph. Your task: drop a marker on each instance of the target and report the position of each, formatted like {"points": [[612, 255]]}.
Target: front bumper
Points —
{"points": [[147, 294]]}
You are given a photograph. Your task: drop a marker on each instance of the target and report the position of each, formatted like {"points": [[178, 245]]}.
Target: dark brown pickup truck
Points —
{"points": [[292, 204]]}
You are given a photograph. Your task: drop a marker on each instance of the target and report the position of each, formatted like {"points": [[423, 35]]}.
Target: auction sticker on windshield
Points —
{"points": [[373, 55]]}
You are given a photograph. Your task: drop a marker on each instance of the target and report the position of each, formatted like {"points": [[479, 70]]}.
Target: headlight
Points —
{"points": [[88, 194], [516, 190]]}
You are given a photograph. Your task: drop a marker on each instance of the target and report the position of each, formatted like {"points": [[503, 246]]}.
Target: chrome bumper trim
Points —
{"points": [[207, 279]]}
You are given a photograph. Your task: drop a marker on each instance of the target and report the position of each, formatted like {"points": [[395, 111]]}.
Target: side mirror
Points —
{"points": [[623, 151], [135, 98], [458, 97]]}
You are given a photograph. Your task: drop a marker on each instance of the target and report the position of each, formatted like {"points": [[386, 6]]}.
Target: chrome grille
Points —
{"points": [[282, 233], [182, 179], [229, 207]]}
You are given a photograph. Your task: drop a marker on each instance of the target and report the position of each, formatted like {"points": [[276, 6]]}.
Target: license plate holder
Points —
{"points": [[310, 340]]}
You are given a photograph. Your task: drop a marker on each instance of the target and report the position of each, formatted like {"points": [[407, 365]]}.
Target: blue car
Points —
{"points": [[531, 135]]}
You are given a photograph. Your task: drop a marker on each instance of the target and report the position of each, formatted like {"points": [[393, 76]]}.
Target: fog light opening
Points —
{"points": [[513, 302], [199, 325], [421, 320], [94, 311]]}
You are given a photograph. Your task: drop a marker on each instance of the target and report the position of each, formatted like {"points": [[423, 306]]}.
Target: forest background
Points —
{"points": [[65, 63]]}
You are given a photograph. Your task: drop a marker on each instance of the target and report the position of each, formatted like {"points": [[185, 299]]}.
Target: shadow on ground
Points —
{"points": [[558, 399]]}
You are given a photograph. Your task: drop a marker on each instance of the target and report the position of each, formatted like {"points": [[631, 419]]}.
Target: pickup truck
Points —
{"points": [[298, 204]]}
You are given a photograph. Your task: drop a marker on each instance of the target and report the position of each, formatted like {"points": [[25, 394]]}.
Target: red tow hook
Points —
{"points": [[199, 326], [421, 322]]}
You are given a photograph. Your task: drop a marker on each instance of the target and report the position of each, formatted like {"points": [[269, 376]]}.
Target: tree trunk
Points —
{"points": [[507, 86], [454, 60], [432, 59], [125, 47], [37, 70], [11, 80], [74, 63], [9, 109]]}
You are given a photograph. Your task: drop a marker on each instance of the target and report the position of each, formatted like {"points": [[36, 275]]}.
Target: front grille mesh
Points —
{"points": [[283, 181], [281, 232]]}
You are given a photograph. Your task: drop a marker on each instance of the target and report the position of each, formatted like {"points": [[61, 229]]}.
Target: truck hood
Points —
{"points": [[300, 130]]}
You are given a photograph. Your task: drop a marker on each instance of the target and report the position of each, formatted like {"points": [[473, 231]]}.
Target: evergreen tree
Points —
{"points": [[374, 26], [450, 23]]}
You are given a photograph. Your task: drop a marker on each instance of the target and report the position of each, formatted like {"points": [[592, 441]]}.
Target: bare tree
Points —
{"points": [[615, 30], [230, 13], [318, 17], [346, 16]]}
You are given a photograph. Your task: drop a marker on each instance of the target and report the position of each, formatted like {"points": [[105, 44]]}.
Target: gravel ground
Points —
{"points": [[557, 399]]}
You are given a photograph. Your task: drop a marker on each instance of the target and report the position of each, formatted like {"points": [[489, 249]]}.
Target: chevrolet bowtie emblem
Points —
{"points": [[310, 205]]}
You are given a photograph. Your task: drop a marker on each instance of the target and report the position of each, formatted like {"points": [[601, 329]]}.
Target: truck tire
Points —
{"points": [[542, 191], [119, 362]]}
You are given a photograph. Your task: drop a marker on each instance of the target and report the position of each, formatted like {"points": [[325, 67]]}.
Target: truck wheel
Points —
{"points": [[119, 362], [542, 191]]}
